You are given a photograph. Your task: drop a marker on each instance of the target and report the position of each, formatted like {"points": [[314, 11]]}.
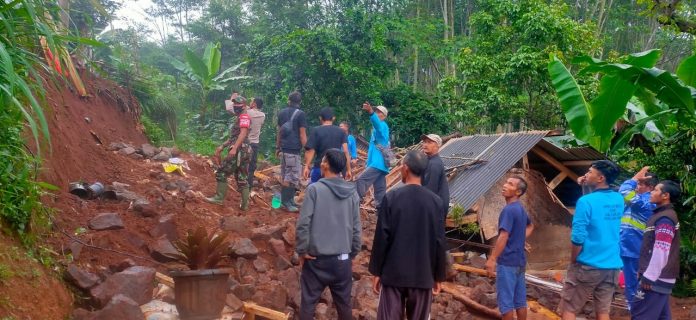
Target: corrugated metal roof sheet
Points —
{"points": [[570, 154], [500, 153]]}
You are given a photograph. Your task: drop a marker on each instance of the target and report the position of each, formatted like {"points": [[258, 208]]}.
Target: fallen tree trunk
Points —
{"points": [[470, 303]]}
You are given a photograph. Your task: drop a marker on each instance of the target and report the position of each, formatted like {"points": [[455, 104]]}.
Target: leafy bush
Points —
{"points": [[153, 131], [19, 193]]}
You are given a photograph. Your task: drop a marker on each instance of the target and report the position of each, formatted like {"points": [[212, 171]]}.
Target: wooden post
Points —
{"points": [[557, 180]]}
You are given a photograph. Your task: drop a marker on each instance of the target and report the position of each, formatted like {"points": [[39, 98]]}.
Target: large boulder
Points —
{"points": [[148, 150], [163, 155], [244, 248], [120, 307], [166, 227], [135, 282], [267, 232], [127, 151], [106, 221], [81, 278], [162, 249], [236, 224]]}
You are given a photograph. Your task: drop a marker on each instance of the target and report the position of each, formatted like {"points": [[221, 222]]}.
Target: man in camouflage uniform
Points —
{"points": [[237, 160]]}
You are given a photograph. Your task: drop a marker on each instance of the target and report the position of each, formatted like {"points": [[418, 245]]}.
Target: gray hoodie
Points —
{"points": [[329, 222]]}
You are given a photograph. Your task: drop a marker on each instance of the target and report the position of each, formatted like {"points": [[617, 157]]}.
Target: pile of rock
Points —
{"points": [[145, 151], [115, 295]]}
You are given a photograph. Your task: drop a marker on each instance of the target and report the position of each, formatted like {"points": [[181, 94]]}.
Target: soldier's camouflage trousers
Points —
{"points": [[238, 165]]}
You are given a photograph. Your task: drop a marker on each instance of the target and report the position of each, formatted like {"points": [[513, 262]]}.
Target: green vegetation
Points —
{"points": [[21, 92], [656, 99], [474, 66]]}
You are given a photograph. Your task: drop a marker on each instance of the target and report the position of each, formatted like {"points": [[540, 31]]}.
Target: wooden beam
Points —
{"points": [[469, 269], [468, 302], [555, 163], [578, 163], [165, 279], [525, 162], [557, 180], [251, 310], [538, 308]]}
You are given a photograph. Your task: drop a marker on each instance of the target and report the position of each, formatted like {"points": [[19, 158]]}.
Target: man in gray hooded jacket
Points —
{"points": [[328, 237]]}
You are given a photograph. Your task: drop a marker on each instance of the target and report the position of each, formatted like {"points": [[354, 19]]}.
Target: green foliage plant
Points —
{"points": [[663, 96], [201, 250], [205, 73]]}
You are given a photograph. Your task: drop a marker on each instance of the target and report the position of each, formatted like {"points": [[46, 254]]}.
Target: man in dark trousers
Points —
{"points": [[434, 177], [507, 261], [408, 253], [324, 137], [257, 120], [328, 237], [658, 264], [291, 137]]}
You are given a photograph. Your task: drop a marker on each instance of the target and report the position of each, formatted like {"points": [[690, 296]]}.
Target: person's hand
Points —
{"points": [[367, 107], [216, 157], [376, 285], [437, 288], [305, 172], [232, 152], [490, 268], [581, 180], [234, 95], [353, 162], [305, 257], [349, 175], [640, 175], [527, 247]]}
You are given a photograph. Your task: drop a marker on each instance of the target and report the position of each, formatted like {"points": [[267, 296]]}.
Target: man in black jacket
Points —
{"points": [[408, 253], [434, 177]]}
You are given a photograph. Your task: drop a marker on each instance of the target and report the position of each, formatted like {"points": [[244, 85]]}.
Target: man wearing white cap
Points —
{"points": [[434, 178], [375, 173]]}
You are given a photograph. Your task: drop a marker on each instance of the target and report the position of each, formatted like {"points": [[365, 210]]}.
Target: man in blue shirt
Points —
{"points": [[352, 145], [514, 227], [375, 173], [636, 193], [595, 260]]}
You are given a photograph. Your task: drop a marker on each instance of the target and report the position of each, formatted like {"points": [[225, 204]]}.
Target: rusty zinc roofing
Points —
{"points": [[498, 152]]}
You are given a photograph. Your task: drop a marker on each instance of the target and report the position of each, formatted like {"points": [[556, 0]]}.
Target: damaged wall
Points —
{"points": [[550, 240]]}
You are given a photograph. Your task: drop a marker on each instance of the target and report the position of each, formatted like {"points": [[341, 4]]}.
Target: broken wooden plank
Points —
{"points": [[164, 279], [252, 310], [536, 307], [557, 180], [468, 302], [469, 269], [555, 163]]}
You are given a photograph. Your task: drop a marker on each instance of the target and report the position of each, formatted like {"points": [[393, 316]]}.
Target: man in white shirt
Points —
{"points": [[257, 119]]}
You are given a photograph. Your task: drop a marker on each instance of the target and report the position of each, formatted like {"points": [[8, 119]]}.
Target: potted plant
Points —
{"points": [[199, 293]]}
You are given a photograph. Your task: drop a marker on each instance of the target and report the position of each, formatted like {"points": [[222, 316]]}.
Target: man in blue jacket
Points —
{"points": [[636, 193], [375, 173], [595, 258]]}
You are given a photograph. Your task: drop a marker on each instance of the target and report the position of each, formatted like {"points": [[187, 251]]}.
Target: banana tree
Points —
{"points": [[204, 72], [659, 94]]}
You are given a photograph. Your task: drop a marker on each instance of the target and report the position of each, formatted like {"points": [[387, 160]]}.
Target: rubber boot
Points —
{"points": [[291, 194], [245, 198], [287, 195], [219, 195]]}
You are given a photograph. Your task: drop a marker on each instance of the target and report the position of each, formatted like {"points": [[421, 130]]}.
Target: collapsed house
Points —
{"points": [[479, 165]]}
